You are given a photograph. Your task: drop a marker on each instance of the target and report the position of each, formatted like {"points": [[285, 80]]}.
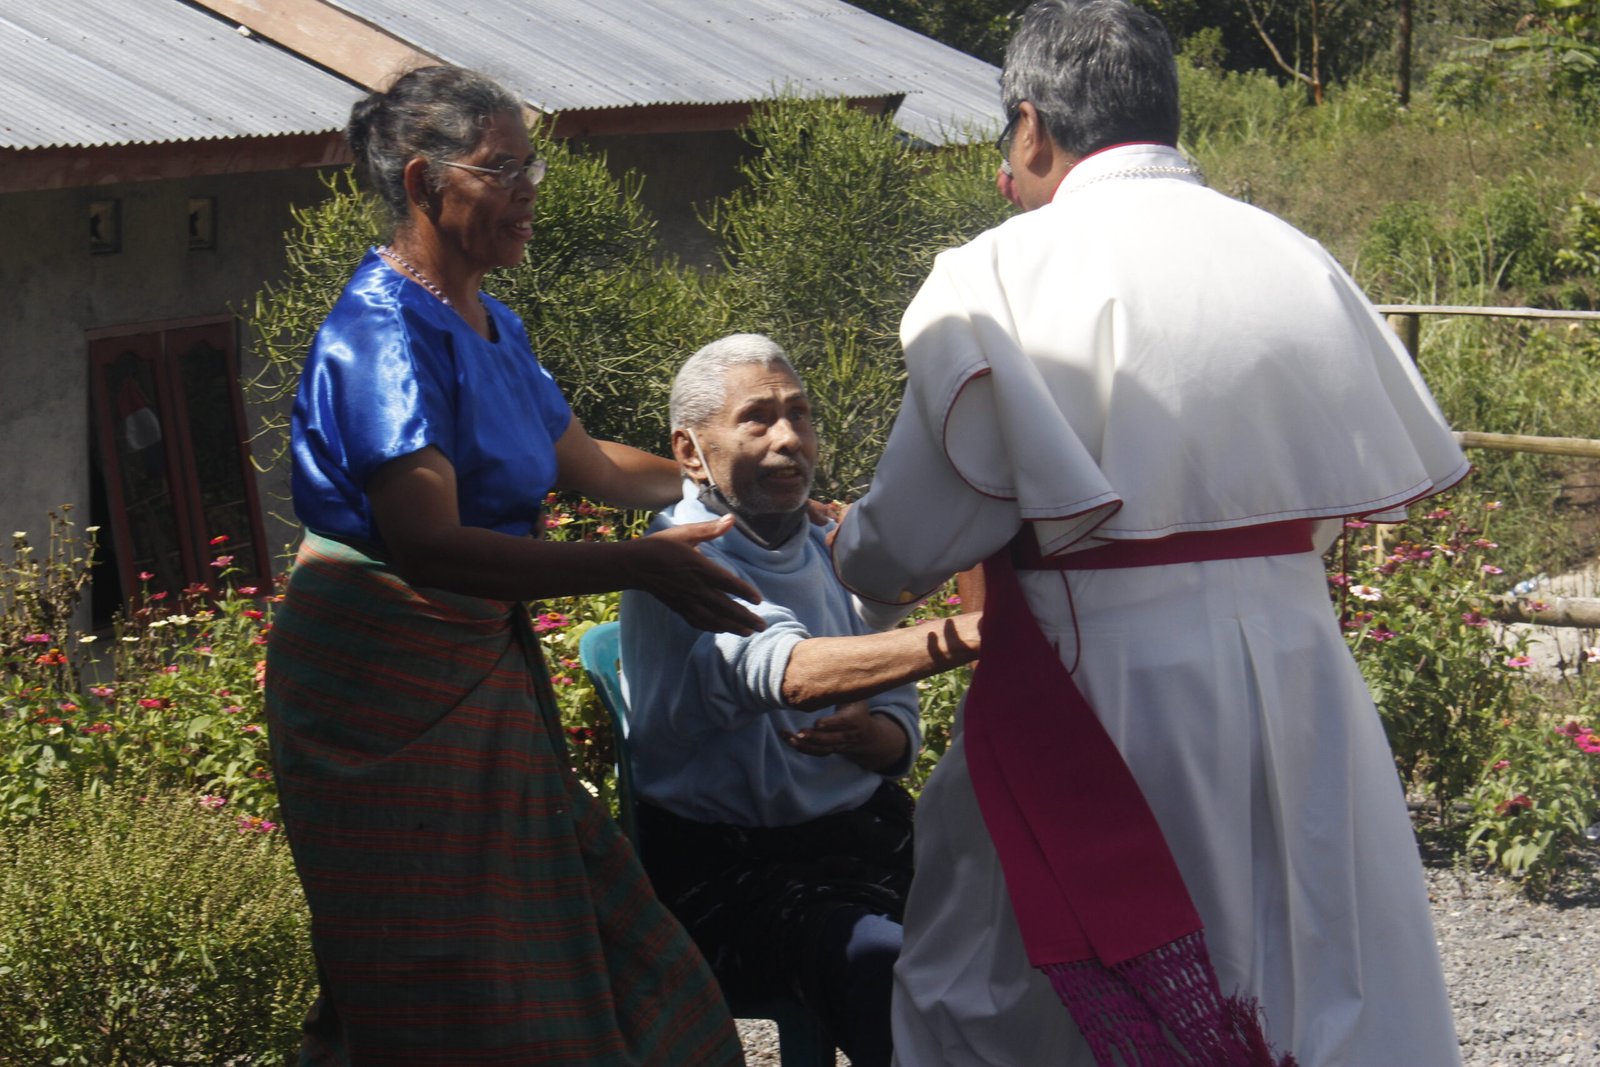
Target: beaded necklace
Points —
{"points": [[426, 282]]}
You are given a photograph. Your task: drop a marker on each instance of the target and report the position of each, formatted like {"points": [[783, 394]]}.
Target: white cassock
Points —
{"points": [[1139, 358]]}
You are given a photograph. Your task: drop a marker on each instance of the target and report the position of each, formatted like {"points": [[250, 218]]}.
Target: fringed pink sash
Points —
{"points": [[1101, 906]]}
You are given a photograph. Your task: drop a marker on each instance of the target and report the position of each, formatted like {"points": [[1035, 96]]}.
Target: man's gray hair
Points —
{"points": [[1100, 72], [699, 390]]}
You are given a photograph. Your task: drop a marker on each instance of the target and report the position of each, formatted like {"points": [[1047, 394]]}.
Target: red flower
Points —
{"points": [[220, 539], [1521, 800]]}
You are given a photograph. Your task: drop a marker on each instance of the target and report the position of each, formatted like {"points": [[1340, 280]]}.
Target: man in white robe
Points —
{"points": [[1137, 358]]}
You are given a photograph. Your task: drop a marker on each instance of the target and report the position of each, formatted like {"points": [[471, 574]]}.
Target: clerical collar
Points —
{"points": [[769, 531]]}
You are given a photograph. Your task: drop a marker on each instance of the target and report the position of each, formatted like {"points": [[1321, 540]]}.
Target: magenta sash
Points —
{"points": [[1100, 903]]}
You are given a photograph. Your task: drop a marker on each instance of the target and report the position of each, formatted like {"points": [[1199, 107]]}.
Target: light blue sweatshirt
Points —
{"points": [[705, 710]]}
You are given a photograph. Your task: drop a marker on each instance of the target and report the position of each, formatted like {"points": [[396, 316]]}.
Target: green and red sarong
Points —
{"points": [[471, 902]]}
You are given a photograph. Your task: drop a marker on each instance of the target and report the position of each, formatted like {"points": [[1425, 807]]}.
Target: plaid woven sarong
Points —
{"points": [[471, 902]]}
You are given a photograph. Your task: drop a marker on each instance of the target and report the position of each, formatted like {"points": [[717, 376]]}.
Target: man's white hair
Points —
{"points": [[700, 390]]}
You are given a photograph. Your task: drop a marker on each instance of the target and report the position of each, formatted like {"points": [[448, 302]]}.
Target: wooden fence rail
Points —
{"points": [[1406, 320]]}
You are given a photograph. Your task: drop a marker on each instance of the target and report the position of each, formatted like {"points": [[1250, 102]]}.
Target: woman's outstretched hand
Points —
{"points": [[666, 566]]}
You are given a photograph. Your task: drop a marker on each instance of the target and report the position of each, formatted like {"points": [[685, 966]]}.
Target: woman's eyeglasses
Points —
{"points": [[507, 173]]}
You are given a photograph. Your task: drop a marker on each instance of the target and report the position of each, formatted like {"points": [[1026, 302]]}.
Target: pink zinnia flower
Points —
{"points": [[1356, 524], [1484, 543], [1439, 513], [1378, 633], [1474, 620], [222, 561], [212, 801], [98, 728], [145, 576], [248, 590], [37, 639], [550, 620], [1520, 662], [250, 728], [104, 692], [1501, 765], [1490, 568]]}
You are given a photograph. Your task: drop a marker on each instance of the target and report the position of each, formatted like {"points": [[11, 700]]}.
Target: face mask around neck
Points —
{"points": [[769, 531]]}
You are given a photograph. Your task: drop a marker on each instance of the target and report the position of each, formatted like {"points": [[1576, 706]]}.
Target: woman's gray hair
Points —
{"points": [[1100, 72], [700, 390], [437, 113]]}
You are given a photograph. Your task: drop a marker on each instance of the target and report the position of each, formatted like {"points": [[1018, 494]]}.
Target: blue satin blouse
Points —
{"points": [[393, 370]]}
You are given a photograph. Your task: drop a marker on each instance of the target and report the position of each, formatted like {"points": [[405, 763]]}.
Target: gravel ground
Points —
{"points": [[1524, 977]]}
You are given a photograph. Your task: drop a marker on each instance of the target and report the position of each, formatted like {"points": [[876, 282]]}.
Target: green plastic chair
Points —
{"points": [[802, 1039]]}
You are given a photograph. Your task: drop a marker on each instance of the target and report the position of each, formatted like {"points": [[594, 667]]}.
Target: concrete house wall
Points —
{"points": [[60, 293]]}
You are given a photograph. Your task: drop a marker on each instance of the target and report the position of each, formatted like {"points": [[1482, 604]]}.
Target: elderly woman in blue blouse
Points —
{"points": [[471, 902]]}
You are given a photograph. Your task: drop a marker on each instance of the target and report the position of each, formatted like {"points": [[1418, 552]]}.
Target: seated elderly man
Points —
{"points": [[769, 818]]}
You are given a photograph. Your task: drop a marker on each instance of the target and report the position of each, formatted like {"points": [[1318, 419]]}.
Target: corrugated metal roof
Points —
{"points": [[568, 54], [102, 72]]}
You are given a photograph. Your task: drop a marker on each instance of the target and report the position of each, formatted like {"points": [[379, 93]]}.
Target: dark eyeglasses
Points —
{"points": [[1002, 144], [507, 173]]}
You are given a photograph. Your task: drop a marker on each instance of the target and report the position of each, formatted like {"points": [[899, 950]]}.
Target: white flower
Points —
{"points": [[1365, 592], [131, 640], [18, 535], [91, 529], [1592, 653], [87, 639]]}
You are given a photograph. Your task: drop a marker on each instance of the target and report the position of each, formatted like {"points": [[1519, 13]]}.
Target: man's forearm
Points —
{"points": [[824, 671]]}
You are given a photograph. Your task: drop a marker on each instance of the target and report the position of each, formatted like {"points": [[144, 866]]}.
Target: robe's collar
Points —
{"points": [[1134, 160]]}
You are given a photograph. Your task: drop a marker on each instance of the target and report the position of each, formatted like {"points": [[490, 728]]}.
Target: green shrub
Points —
{"points": [[1580, 247], [1506, 239], [1413, 601], [823, 249], [1540, 792], [1400, 253], [1221, 107], [144, 929]]}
